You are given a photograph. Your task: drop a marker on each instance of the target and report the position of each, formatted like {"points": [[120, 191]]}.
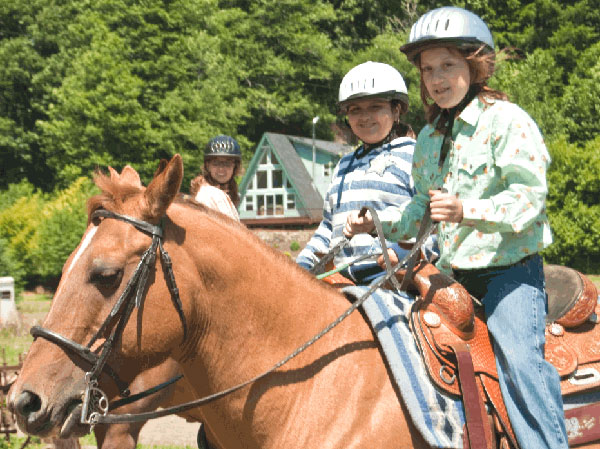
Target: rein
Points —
{"points": [[95, 403]]}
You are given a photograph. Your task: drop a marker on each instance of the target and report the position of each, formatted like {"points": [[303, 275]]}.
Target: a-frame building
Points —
{"points": [[282, 186]]}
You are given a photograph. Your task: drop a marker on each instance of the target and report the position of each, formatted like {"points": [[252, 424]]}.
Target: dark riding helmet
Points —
{"points": [[223, 146]]}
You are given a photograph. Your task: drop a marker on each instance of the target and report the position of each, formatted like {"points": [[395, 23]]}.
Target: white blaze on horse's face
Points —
{"points": [[85, 242]]}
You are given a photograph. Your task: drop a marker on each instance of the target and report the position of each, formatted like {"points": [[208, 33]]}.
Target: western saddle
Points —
{"points": [[455, 346]]}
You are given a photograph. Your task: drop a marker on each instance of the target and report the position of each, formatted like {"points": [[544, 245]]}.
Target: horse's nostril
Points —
{"points": [[28, 403]]}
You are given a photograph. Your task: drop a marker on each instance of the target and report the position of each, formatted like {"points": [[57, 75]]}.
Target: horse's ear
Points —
{"points": [[161, 167], [130, 176], [162, 189], [114, 174]]}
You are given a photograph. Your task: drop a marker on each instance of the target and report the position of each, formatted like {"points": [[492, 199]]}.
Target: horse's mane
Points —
{"points": [[115, 190]]}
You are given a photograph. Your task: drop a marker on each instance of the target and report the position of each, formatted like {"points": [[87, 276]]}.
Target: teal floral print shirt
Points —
{"points": [[497, 166]]}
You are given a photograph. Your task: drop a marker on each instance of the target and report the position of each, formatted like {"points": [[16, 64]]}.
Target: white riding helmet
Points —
{"points": [[372, 79], [449, 24]]}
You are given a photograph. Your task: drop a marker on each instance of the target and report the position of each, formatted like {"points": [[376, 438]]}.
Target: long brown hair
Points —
{"points": [[481, 67], [230, 187]]}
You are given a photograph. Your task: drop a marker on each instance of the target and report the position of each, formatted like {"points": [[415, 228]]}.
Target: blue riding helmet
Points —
{"points": [[223, 146]]}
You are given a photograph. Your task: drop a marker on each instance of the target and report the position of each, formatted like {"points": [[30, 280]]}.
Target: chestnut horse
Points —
{"points": [[245, 306]]}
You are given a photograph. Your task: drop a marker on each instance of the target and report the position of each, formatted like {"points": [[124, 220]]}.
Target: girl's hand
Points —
{"points": [[357, 225], [393, 259], [445, 207]]}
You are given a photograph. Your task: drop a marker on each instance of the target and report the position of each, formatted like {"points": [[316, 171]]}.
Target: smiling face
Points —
{"points": [[446, 75], [371, 119], [221, 168]]}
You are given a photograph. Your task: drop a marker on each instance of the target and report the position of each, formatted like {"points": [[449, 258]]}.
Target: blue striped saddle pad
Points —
{"points": [[439, 417]]}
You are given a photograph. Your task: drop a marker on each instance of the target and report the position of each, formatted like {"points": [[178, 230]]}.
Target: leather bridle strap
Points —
{"points": [[75, 348]]}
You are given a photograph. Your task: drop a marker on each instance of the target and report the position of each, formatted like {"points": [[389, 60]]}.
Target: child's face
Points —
{"points": [[371, 119], [221, 168], [446, 76]]}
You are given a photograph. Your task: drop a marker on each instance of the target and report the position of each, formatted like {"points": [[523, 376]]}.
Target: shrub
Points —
{"points": [[574, 205], [60, 230], [18, 225], [294, 245]]}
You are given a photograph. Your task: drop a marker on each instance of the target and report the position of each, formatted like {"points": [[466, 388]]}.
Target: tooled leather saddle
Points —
{"points": [[455, 346]]}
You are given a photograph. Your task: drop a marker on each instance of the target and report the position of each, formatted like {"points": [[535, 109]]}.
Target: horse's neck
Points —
{"points": [[255, 298], [257, 308]]}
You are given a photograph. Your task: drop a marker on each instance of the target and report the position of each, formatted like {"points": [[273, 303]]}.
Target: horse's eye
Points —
{"points": [[106, 277]]}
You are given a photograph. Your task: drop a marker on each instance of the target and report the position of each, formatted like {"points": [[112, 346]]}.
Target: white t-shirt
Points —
{"points": [[215, 198]]}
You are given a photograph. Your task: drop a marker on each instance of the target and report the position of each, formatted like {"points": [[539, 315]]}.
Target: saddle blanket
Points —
{"points": [[439, 417]]}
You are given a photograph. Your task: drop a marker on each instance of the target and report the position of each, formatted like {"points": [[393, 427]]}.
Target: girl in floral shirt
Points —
{"points": [[480, 164]]}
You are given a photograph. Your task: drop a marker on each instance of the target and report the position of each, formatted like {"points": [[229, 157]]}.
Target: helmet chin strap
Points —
{"points": [[448, 115]]}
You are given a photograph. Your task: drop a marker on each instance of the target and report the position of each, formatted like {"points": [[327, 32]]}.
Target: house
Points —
{"points": [[281, 186]]}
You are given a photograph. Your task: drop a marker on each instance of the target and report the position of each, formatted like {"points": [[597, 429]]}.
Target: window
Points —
{"points": [[261, 179], [279, 205], [265, 158], [291, 201], [270, 207], [249, 202], [260, 204], [277, 178]]}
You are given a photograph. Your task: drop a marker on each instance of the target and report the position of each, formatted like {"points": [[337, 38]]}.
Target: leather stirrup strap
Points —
{"points": [[480, 434]]}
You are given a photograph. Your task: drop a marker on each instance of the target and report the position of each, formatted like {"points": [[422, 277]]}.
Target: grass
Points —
{"points": [[595, 278], [13, 344], [36, 303]]}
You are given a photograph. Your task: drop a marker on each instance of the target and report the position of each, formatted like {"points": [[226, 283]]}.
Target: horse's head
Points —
{"points": [[111, 289]]}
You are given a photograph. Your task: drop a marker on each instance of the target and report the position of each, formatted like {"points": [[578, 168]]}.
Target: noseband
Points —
{"points": [[95, 401]]}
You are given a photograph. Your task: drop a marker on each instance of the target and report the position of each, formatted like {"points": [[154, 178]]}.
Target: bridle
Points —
{"points": [[94, 399], [95, 402]]}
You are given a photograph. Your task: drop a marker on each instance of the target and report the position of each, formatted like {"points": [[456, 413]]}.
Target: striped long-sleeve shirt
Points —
{"points": [[380, 179]]}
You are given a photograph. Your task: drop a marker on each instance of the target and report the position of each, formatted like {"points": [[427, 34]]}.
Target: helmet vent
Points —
{"points": [[436, 25], [373, 82], [447, 24]]}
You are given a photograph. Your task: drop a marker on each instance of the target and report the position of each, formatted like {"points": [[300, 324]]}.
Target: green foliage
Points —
{"points": [[574, 205], [15, 191], [582, 97], [114, 82], [60, 230], [18, 225], [39, 231], [535, 84], [294, 245]]}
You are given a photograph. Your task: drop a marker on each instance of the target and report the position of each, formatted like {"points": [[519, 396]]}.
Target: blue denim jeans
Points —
{"points": [[515, 306]]}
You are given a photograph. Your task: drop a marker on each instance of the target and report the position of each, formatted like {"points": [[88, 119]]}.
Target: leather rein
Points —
{"points": [[95, 402]]}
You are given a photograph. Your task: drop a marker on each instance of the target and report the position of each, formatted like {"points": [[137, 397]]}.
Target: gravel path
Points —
{"points": [[169, 430]]}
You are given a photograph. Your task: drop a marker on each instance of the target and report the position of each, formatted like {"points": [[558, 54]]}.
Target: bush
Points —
{"points": [[18, 226], [574, 205], [294, 245], [60, 230], [9, 266]]}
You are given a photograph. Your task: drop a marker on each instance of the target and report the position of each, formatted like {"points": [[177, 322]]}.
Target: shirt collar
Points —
{"points": [[471, 113]]}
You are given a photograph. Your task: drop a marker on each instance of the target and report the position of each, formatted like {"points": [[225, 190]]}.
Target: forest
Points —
{"points": [[86, 84]]}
